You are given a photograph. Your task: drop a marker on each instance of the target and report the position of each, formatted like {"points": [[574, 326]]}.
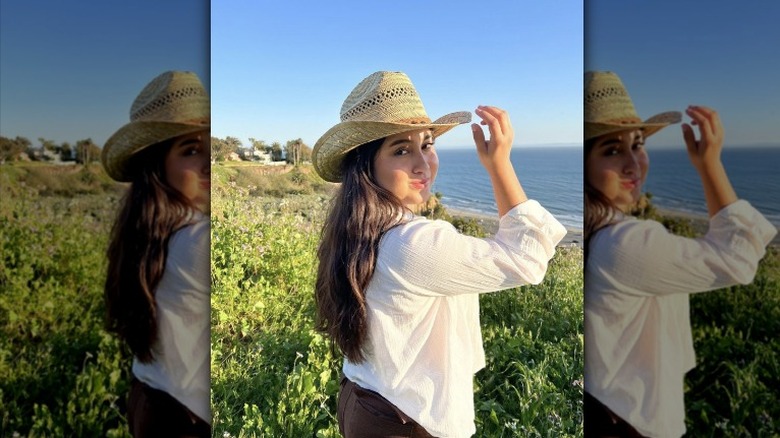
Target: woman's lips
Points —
{"points": [[630, 184], [420, 184]]}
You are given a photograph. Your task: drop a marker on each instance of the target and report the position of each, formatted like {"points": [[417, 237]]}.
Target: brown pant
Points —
{"points": [[366, 414], [601, 422], [155, 413]]}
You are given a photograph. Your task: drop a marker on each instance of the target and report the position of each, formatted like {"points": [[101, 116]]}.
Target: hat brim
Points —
{"points": [[136, 136], [331, 148], [648, 127]]}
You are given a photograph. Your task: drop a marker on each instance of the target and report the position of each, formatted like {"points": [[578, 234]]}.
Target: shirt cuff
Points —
{"points": [[744, 216], [531, 214]]}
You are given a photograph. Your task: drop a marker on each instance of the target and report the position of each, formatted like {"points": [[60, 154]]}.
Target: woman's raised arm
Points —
{"points": [[705, 157], [494, 156]]}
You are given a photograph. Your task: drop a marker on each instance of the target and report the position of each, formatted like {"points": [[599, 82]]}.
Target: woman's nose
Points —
{"points": [[421, 164], [631, 165]]}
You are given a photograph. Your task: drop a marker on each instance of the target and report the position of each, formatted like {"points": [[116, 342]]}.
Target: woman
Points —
{"points": [[157, 288], [397, 293], [638, 343]]}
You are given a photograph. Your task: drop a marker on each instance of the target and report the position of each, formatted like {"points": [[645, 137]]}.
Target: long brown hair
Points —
{"points": [[599, 211], [150, 212], [361, 212]]}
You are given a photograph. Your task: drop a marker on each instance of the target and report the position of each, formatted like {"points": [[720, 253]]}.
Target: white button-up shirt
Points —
{"points": [[424, 342], [638, 342], [181, 361]]}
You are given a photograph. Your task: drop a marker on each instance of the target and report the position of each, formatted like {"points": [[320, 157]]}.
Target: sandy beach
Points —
{"points": [[490, 224]]}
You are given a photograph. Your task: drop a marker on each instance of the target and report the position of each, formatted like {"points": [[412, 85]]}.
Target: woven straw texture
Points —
{"points": [[383, 104], [608, 108], [174, 103]]}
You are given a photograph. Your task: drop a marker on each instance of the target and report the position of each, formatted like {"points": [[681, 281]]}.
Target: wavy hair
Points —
{"points": [[360, 213], [599, 211], [151, 211]]}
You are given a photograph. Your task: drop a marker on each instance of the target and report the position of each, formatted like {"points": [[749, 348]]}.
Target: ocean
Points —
{"points": [[753, 171], [553, 176]]}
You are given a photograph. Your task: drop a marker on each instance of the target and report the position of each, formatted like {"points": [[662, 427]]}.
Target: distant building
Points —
{"points": [[263, 156], [52, 156], [42, 154], [252, 154], [233, 157]]}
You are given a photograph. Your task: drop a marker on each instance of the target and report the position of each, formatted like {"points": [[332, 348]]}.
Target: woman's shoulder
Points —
{"points": [[413, 225], [629, 234], [194, 227], [189, 255], [193, 238], [420, 236]]}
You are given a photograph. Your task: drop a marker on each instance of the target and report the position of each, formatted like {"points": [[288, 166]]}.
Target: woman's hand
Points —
{"points": [[705, 157], [494, 156], [496, 150], [706, 151]]}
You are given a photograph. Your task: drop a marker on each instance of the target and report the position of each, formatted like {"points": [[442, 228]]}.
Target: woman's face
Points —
{"points": [[188, 168], [406, 165], [617, 166]]}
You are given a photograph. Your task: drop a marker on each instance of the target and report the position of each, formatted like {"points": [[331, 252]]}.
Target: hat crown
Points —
{"points": [[383, 104], [384, 97], [173, 96], [172, 104], [607, 100]]}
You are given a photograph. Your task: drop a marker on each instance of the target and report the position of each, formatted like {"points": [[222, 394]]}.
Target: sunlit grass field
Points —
{"points": [[272, 376], [60, 373]]}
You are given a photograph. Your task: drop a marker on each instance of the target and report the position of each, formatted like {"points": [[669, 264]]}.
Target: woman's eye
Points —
{"points": [[611, 151], [427, 146], [401, 151]]}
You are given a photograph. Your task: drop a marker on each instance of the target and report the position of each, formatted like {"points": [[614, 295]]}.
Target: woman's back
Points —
{"points": [[637, 320], [181, 364], [424, 342]]}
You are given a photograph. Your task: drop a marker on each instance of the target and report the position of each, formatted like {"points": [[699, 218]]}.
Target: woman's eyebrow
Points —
{"points": [[610, 142], [399, 141], [427, 137], [189, 142]]}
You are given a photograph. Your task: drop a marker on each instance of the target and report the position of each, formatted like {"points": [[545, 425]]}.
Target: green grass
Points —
{"points": [[734, 390], [273, 376], [273, 181], [60, 373], [58, 180]]}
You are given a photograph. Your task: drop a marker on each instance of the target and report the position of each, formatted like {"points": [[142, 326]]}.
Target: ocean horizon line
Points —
{"points": [[726, 147], [520, 146]]}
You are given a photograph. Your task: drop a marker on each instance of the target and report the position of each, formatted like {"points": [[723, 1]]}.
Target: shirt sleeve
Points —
{"points": [[432, 258], [643, 258]]}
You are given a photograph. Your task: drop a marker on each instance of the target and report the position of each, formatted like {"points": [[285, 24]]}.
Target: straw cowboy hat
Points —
{"points": [[608, 108], [383, 104], [174, 103]]}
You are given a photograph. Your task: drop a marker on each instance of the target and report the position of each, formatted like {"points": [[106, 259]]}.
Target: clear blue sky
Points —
{"points": [[670, 54], [70, 70], [281, 70]]}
